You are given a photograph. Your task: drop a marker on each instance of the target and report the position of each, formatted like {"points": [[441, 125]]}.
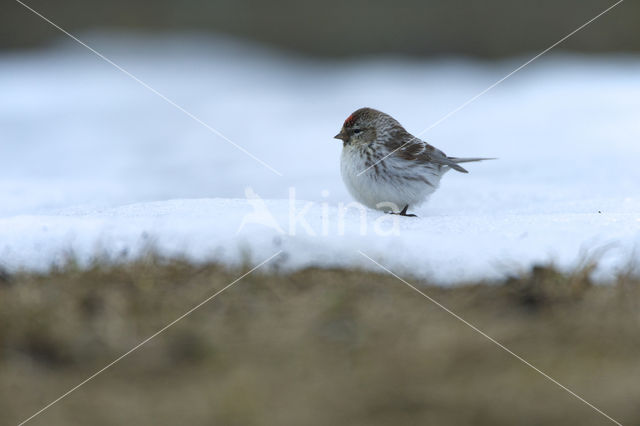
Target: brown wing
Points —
{"points": [[419, 152]]}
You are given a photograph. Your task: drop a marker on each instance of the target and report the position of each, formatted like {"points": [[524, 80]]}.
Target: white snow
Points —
{"points": [[94, 164]]}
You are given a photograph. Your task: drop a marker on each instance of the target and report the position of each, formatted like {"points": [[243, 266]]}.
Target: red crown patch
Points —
{"points": [[350, 121]]}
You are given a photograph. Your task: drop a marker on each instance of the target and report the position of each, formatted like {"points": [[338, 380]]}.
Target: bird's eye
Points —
{"points": [[356, 131]]}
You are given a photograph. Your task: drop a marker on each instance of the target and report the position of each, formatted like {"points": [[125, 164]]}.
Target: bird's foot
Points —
{"points": [[404, 212]]}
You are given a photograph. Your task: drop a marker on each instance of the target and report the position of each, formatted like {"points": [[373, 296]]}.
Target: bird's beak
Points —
{"points": [[342, 135]]}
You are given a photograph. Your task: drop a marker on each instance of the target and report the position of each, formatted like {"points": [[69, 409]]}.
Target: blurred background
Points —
{"points": [[95, 167], [281, 76], [332, 28]]}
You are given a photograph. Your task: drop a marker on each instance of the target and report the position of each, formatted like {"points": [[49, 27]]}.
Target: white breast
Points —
{"points": [[394, 182]]}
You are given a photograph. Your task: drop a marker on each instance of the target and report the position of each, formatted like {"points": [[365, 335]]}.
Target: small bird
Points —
{"points": [[385, 167]]}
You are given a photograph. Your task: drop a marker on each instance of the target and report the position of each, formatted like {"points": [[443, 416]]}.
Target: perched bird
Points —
{"points": [[386, 168]]}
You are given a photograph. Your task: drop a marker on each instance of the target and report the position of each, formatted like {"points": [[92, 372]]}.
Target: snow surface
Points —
{"points": [[92, 163]]}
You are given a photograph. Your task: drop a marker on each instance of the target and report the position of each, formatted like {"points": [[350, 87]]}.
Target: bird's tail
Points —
{"points": [[457, 160], [469, 160]]}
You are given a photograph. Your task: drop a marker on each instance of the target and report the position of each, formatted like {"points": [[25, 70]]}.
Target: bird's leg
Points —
{"points": [[404, 212]]}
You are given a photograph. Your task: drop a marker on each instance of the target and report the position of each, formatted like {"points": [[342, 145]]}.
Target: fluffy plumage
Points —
{"points": [[385, 167]]}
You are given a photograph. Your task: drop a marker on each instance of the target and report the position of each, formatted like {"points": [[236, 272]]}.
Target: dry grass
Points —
{"points": [[317, 347]]}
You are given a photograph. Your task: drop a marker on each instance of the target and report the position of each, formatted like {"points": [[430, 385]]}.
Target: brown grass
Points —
{"points": [[316, 347]]}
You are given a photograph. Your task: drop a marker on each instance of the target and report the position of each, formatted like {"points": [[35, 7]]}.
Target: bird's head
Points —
{"points": [[365, 126], [359, 127]]}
